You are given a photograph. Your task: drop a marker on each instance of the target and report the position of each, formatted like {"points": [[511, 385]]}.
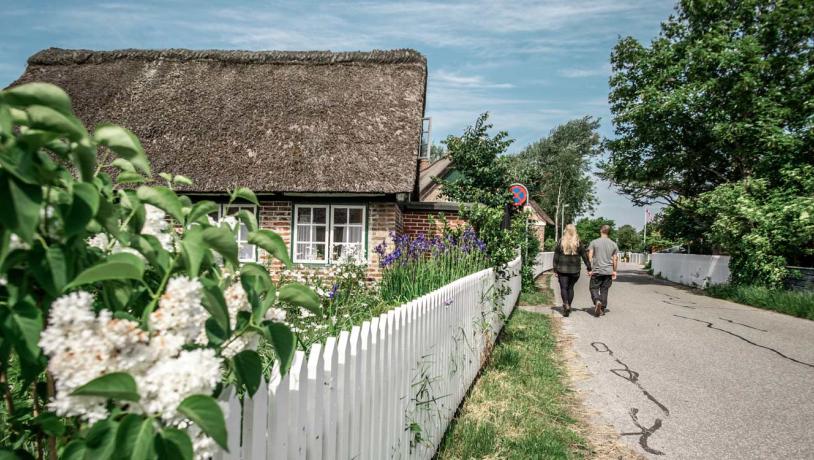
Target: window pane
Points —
{"points": [[320, 216], [339, 234], [243, 233], [354, 235], [340, 215], [246, 252], [320, 234], [303, 215], [355, 216], [303, 233], [301, 251], [319, 250]]}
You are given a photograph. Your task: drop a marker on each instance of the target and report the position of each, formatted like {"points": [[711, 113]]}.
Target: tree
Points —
{"points": [[557, 168], [588, 228], [723, 93], [628, 238], [437, 152], [478, 158]]}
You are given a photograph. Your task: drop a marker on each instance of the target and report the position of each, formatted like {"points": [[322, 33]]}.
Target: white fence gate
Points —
{"points": [[638, 258], [385, 389]]}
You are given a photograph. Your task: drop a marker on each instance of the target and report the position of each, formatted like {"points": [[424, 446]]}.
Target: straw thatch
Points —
{"points": [[272, 121]]}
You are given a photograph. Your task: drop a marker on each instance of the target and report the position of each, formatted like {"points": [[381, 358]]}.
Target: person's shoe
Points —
{"points": [[566, 310], [603, 310], [598, 310]]}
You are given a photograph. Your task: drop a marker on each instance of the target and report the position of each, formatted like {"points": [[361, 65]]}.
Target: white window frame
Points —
{"points": [[363, 225], [222, 214], [329, 233], [295, 233]]}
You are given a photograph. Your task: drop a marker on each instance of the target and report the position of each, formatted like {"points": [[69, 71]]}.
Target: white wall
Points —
{"points": [[691, 269], [543, 263], [638, 258], [357, 395]]}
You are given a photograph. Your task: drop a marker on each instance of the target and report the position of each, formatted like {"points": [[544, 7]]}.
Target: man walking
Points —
{"points": [[604, 256]]}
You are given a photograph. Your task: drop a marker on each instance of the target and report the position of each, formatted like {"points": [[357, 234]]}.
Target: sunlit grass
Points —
{"points": [[795, 303]]}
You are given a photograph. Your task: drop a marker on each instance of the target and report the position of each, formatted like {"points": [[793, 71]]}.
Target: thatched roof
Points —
{"points": [[273, 121]]}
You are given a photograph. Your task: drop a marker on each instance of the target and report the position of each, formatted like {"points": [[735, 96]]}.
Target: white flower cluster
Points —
{"points": [[83, 346], [155, 224], [180, 312]]}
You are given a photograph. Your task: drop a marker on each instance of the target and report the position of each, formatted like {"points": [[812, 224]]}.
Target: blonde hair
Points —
{"points": [[570, 240]]}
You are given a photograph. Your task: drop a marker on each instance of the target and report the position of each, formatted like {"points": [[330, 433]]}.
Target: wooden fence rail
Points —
{"points": [[385, 389]]}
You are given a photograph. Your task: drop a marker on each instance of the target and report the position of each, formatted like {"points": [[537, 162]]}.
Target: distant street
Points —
{"points": [[685, 376]]}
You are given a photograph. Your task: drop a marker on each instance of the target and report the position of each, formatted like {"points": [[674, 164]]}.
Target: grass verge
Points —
{"points": [[542, 295], [795, 303], [518, 408]]}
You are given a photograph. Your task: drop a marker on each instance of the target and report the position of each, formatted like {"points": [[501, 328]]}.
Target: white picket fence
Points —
{"points": [[543, 263], [385, 389]]}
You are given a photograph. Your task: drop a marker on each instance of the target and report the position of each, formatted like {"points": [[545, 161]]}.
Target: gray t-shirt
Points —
{"points": [[603, 251]]}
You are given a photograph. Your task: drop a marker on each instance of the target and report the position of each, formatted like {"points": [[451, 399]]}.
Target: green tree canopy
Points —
{"points": [[588, 228], [557, 168], [628, 238], [723, 93], [478, 157]]}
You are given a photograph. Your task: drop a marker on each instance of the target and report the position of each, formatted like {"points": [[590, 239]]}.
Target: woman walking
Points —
{"points": [[566, 265]]}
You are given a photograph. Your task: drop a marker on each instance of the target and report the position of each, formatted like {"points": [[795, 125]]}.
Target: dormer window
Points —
{"points": [[426, 139]]}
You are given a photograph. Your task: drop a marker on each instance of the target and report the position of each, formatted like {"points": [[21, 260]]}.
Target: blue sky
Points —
{"points": [[532, 64]]}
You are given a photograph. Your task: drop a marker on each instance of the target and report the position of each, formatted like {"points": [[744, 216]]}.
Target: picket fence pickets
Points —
{"points": [[638, 258], [386, 389]]}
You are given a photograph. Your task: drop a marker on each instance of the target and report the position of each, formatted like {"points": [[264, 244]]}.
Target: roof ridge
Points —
{"points": [[60, 56]]}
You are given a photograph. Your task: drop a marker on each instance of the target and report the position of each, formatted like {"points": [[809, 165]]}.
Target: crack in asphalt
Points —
{"points": [[744, 325], [672, 301], [710, 326], [633, 377]]}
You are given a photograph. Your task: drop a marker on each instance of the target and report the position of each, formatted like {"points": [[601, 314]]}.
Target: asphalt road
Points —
{"points": [[686, 376]]}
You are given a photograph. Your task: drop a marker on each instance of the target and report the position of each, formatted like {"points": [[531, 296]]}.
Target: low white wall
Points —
{"points": [[691, 269], [638, 258], [543, 263]]}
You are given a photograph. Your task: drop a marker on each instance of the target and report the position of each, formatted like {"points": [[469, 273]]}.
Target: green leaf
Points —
{"points": [[100, 441], [246, 194], [201, 209], [26, 324], [116, 385], [248, 219], [123, 165], [215, 333], [301, 295], [193, 249], [38, 93], [20, 210], [48, 119], [173, 444], [50, 424], [249, 370], [117, 266], [205, 412], [162, 198], [127, 177], [5, 121], [84, 207], [183, 180], [284, 343], [134, 438], [124, 144], [271, 243], [84, 158], [223, 241], [75, 450], [215, 303], [58, 267]]}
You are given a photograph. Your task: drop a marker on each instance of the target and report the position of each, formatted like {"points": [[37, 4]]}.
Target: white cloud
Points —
{"points": [[446, 78], [604, 70]]}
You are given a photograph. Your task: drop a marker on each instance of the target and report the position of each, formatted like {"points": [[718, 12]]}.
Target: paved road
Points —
{"points": [[685, 376]]}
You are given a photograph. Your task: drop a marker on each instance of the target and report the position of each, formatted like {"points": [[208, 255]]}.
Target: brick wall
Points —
{"points": [[418, 221], [382, 219], [276, 216]]}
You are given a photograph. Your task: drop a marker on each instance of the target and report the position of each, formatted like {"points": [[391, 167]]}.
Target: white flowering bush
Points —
{"points": [[124, 310]]}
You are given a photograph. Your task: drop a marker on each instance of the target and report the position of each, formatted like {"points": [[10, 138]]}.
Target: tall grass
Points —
{"points": [[795, 303], [418, 265]]}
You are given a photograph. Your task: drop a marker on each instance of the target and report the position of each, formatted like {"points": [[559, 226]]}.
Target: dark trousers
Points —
{"points": [[567, 282], [600, 284]]}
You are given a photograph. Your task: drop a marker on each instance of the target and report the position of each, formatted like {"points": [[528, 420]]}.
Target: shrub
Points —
{"points": [[123, 308]]}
